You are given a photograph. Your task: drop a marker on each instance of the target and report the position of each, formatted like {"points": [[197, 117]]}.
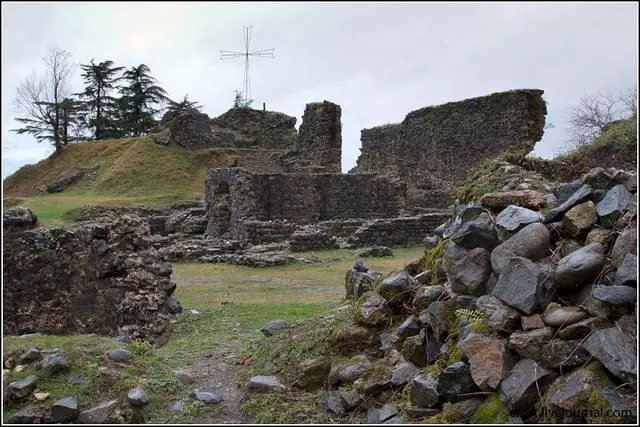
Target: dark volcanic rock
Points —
{"points": [[358, 282], [424, 391], [520, 285], [476, 234], [22, 388], [614, 204], [467, 270], [19, 218], [627, 275], [524, 385], [98, 414], [455, 380], [616, 295], [532, 242], [397, 288], [513, 218], [627, 242], [579, 268], [272, 327], [64, 410], [372, 310], [616, 351], [31, 354], [582, 194], [54, 363]]}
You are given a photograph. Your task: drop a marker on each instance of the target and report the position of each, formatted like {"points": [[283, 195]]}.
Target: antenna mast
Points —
{"points": [[265, 53]]}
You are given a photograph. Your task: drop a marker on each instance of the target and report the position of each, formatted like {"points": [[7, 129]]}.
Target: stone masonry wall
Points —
{"points": [[234, 196], [101, 277], [438, 147], [397, 231], [320, 135]]}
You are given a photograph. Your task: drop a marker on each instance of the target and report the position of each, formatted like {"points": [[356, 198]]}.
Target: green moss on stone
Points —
{"points": [[491, 411]]}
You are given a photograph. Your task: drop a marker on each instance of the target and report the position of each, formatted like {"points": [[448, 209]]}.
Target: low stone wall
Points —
{"points": [[397, 231], [263, 232], [103, 278], [234, 196]]}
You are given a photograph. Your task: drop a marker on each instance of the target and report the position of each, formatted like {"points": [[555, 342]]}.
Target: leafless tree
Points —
{"points": [[629, 100], [596, 112], [40, 100]]}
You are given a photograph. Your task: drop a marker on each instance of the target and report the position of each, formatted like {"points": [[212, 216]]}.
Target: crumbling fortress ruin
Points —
{"points": [[402, 168], [434, 149]]}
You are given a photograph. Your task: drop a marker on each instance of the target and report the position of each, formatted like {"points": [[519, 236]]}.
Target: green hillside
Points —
{"points": [[125, 172]]}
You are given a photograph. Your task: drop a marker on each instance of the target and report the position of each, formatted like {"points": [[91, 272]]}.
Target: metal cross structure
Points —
{"points": [[265, 53]]}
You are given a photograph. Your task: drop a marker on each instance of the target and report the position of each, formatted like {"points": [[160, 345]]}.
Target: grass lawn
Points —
{"points": [[293, 292]]}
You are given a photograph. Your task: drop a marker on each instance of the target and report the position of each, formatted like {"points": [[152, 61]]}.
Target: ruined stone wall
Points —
{"points": [[234, 195], [100, 278], [438, 147], [397, 231], [320, 135], [249, 128]]}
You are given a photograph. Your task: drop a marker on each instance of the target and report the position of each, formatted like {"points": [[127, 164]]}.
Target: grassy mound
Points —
{"points": [[125, 172]]}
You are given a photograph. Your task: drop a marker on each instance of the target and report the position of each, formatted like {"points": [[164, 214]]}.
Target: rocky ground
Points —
{"points": [[522, 310]]}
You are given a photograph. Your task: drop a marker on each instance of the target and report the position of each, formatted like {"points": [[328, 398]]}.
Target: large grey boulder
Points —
{"points": [[98, 414], [520, 285], [372, 310], [616, 351], [424, 391], [476, 234], [513, 218], [54, 363], [605, 179], [532, 242], [580, 267], [526, 383], [627, 242], [454, 380], [627, 275], [64, 410], [566, 190], [397, 288], [358, 282], [489, 359], [583, 194], [273, 327], [499, 317], [615, 295], [426, 295], [120, 355], [467, 270], [22, 388], [137, 396], [403, 373], [614, 204], [31, 354]]}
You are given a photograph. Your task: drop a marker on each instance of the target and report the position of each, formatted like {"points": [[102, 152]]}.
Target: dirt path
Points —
{"points": [[217, 372]]}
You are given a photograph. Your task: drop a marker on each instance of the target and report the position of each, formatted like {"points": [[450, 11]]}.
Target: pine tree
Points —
{"points": [[139, 97], [100, 79]]}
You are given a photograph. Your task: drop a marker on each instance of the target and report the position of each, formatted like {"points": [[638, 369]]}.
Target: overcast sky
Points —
{"points": [[379, 61]]}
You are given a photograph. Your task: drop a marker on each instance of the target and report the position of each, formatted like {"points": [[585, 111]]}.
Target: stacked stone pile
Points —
{"points": [[525, 312]]}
